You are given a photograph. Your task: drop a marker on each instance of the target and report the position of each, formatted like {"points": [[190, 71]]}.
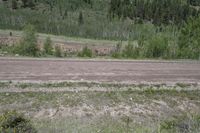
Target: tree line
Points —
{"points": [[156, 11]]}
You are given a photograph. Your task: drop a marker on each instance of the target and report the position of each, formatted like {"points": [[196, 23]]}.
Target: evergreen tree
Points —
{"points": [[14, 4], [80, 18], [160, 11], [28, 3], [28, 45], [24, 3]]}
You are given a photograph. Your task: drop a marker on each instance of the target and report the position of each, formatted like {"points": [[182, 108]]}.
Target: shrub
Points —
{"points": [[58, 52], [157, 47], [28, 45], [117, 50], [48, 49], [130, 51], [86, 52], [189, 40], [181, 124], [12, 122]]}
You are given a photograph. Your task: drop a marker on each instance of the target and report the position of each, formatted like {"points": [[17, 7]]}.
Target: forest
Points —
{"points": [[163, 28]]}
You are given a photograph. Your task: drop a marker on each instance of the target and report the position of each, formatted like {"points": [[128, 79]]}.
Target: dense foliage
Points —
{"points": [[86, 52], [13, 122], [105, 19], [189, 40], [157, 11], [28, 45]]}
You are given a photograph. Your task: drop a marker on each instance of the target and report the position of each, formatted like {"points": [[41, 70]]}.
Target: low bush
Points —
{"points": [[130, 51], [58, 52], [48, 49], [189, 39], [13, 122], [181, 124], [157, 47], [116, 53], [86, 52]]}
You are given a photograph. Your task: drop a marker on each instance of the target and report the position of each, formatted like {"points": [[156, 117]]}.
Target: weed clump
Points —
{"points": [[58, 52], [13, 122], [48, 48], [181, 124], [86, 52]]}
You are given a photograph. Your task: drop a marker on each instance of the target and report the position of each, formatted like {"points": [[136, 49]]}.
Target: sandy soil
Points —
{"points": [[168, 72]]}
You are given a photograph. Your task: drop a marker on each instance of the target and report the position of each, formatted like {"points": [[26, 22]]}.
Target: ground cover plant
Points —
{"points": [[132, 110]]}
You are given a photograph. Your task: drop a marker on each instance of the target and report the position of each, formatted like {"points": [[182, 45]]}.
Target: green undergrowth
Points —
{"points": [[24, 85], [69, 98], [155, 109], [179, 124], [173, 119], [13, 122]]}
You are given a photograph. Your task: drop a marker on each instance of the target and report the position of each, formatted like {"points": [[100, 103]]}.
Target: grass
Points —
{"points": [[131, 110], [33, 103], [145, 87], [185, 85], [55, 38], [3, 84], [182, 124], [102, 125], [94, 98]]}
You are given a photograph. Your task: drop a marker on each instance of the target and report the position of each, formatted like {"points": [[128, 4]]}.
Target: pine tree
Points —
{"points": [[29, 44], [80, 18], [14, 4], [24, 3], [28, 3]]}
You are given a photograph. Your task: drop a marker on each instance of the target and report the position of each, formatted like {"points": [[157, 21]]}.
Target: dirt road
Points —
{"points": [[26, 69]]}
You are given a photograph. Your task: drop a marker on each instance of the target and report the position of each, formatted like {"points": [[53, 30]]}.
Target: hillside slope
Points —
{"points": [[96, 18]]}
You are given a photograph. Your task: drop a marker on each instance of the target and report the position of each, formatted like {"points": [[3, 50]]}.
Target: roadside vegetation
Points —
{"points": [[48, 46], [181, 124], [148, 111], [13, 122], [115, 86]]}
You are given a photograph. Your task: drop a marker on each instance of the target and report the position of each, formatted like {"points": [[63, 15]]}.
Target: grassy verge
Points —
{"points": [[24, 85], [127, 111], [155, 109]]}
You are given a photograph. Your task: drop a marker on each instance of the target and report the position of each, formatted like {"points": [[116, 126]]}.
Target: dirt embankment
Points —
{"points": [[67, 46]]}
